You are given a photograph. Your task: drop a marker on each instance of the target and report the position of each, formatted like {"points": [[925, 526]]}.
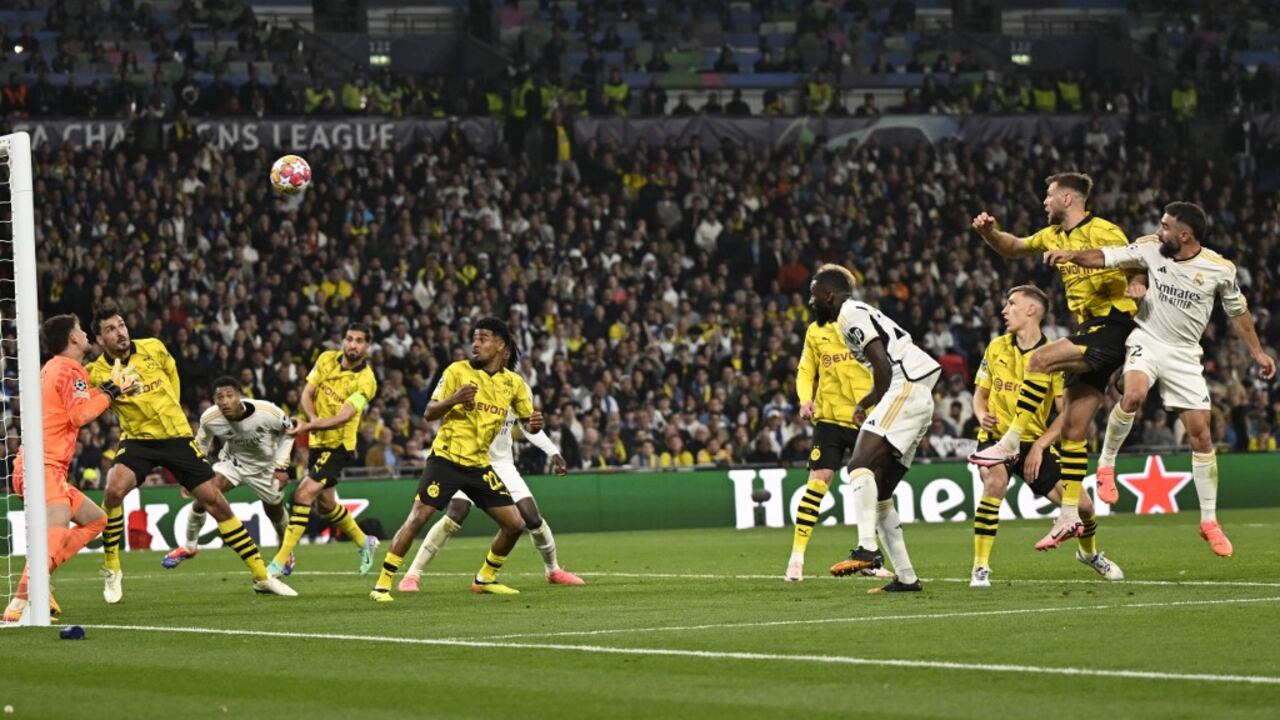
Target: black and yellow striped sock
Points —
{"points": [[390, 566], [341, 519], [1031, 397], [1088, 541], [1074, 461], [807, 516], [489, 571], [986, 522], [113, 538], [299, 515], [236, 537]]}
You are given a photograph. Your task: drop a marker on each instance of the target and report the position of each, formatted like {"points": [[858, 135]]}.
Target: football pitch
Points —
{"points": [[682, 624]]}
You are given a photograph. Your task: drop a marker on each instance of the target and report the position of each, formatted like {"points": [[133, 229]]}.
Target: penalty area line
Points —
{"points": [[877, 618], [721, 655]]}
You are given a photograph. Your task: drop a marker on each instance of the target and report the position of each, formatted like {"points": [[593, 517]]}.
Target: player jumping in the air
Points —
{"points": [[1186, 279]]}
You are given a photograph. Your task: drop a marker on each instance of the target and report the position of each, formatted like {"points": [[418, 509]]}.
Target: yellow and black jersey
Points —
{"points": [[336, 386], [1091, 292], [467, 430], [841, 380], [1003, 367], [155, 413]]}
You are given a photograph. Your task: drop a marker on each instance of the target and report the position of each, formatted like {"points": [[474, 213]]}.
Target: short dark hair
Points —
{"points": [[360, 327], [226, 381], [1189, 214], [55, 333], [496, 326], [836, 277], [1078, 182], [103, 313], [1034, 292]]}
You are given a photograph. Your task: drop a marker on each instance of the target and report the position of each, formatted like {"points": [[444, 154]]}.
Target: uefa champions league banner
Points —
{"points": [[294, 134], [484, 133], [156, 517]]}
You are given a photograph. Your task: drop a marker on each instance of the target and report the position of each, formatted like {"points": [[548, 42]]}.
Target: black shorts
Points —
{"points": [[327, 464], [442, 478], [832, 445], [1103, 341], [179, 456], [1050, 468]]}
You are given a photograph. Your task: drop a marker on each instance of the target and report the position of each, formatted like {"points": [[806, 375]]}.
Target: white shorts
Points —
{"points": [[510, 477], [903, 416], [1178, 370], [263, 484]]}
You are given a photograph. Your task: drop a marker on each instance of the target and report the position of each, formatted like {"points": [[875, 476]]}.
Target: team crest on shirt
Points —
{"points": [[1199, 279], [433, 490]]}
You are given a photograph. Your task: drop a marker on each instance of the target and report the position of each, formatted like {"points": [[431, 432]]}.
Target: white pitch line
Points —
{"points": [[722, 655], [870, 618], [721, 576]]}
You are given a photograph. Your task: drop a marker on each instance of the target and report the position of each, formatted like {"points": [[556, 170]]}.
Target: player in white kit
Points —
{"points": [[1185, 281], [255, 452], [903, 376], [502, 459]]}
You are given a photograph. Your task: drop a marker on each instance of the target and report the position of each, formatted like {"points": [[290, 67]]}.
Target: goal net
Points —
{"points": [[22, 527]]}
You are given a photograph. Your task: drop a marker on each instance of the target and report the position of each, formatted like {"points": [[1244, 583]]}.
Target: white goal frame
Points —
{"points": [[15, 153]]}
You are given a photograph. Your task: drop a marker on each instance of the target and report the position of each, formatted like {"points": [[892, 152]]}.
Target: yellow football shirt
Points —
{"points": [[467, 430], [336, 386], [1003, 367], [1091, 292], [156, 412], [841, 380]]}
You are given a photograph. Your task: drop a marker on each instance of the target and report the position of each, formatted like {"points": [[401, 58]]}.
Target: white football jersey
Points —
{"points": [[502, 450], [256, 442], [859, 324], [1181, 295]]}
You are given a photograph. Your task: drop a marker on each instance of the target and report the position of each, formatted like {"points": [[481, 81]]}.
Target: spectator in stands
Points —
{"points": [[14, 99], [726, 62], [658, 62], [737, 107], [617, 94]]}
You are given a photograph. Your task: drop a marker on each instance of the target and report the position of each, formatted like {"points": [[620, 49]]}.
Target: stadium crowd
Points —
{"points": [[659, 294]]}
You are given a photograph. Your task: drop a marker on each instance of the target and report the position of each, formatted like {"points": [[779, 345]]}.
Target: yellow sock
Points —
{"points": [[237, 538], [341, 519], [985, 523], [390, 566], [298, 517], [113, 538], [1074, 455], [807, 516], [1088, 541], [489, 571]]}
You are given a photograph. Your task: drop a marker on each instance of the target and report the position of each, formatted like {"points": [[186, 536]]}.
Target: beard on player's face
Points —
{"points": [[1169, 248]]}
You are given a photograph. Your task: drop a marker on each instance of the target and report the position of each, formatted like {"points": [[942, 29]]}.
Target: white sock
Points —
{"points": [[1011, 441], [1119, 423], [545, 544], [895, 545], [437, 536], [1204, 471], [195, 523], [864, 506], [796, 557]]}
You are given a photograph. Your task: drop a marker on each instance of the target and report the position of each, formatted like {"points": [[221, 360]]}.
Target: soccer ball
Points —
{"points": [[290, 175]]}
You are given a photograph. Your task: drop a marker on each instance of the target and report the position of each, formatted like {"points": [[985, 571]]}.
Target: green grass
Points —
{"points": [[1194, 624]]}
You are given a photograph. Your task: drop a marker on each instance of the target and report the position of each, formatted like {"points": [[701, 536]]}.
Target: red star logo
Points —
{"points": [[1155, 487]]}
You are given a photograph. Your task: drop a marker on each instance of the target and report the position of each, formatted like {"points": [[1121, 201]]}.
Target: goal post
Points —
{"points": [[17, 212]]}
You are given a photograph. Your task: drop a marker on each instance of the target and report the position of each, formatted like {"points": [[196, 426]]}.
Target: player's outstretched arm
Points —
{"points": [[1084, 258], [1245, 329], [1007, 244]]}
